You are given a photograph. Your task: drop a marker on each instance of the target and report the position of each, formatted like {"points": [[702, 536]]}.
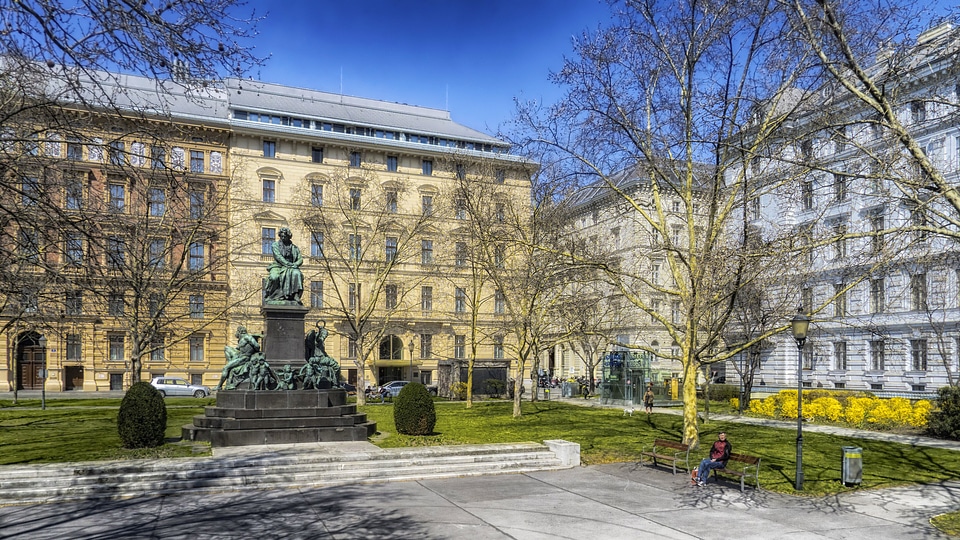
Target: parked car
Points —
{"points": [[392, 388], [175, 386]]}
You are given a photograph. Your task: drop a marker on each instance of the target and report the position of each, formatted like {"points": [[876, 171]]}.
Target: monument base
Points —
{"points": [[283, 335], [248, 417]]}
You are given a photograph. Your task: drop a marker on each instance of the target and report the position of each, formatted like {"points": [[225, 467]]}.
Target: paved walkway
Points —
{"points": [[598, 502]]}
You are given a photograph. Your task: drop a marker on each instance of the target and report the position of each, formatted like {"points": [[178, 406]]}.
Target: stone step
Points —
{"points": [[118, 480]]}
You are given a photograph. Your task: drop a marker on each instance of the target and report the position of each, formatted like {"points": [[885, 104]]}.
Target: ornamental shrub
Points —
{"points": [[458, 390], [413, 410], [495, 387], [142, 420], [945, 421]]}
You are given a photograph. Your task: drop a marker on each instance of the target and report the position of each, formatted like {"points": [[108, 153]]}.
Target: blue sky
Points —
{"points": [[469, 57]]}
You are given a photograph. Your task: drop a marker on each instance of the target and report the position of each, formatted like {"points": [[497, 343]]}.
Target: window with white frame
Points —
{"points": [[196, 349]]}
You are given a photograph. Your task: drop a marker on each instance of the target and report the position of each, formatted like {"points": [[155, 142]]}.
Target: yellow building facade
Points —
{"points": [[375, 196]]}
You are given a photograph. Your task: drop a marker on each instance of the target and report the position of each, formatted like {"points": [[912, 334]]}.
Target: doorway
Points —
{"points": [[29, 362]]}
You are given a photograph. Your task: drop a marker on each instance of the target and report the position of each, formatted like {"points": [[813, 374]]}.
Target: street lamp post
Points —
{"points": [[799, 325], [43, 373], [410, 348]]}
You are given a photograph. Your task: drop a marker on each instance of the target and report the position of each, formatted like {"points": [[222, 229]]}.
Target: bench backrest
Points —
{"points": [[663, 443], [743, 458]]}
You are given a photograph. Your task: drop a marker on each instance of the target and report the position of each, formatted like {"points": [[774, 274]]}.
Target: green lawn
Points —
{"points": [[78, 430]]}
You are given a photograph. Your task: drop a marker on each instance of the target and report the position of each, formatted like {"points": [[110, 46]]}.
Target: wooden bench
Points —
{"points": [[672, 451], [741, 466]]}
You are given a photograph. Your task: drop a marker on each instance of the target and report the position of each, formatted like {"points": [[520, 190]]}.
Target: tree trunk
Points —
{"points": [[691, 432]]}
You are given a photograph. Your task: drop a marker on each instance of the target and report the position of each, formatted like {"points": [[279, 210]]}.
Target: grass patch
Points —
{"points": [[605, 436], [948, 523], [85, 430]]}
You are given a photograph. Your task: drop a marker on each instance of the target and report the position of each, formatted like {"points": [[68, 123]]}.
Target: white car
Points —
{"points": [[393, 388], [175, 386]]}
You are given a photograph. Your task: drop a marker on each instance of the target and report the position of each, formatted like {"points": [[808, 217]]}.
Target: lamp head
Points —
{"points": [[799, 325], [42, 342]]}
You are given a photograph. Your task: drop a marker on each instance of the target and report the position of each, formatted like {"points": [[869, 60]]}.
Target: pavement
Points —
{"points": [[613, 501]]}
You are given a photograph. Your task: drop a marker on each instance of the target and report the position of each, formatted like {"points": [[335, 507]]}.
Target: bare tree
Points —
{"points": [[659, 97]]}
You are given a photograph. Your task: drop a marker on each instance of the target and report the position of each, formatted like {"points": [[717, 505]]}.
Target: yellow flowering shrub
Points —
{"points": [[735, 403], [764, 407], [921, 411], [855, 413], [787, 404], [824, 408]]}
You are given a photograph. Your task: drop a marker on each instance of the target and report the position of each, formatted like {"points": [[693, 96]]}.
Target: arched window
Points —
{"points": [[391, 348]]}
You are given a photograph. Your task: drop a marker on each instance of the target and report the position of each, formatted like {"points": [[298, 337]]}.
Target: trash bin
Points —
{"points": [[851, 465]]}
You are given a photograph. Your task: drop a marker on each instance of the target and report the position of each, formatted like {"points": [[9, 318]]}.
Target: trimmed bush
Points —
{"points": [[458, 390], [142, 420], [945, 421], [413, 410]]}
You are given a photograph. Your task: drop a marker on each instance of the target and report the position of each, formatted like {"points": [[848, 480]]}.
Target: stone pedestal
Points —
{"points": [[248, 417], [283, 335]]}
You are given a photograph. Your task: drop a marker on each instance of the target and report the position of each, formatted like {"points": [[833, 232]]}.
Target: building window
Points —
{"points": [[499, 302], [876, 355], [73, 249], [918, 111], [268, 235], [426, 345], [316, 154], [95, 150], [390, 296], [460, 208], [461, 171], [918, 219], [157, 202], [877, 226], [29, 301], [918, 292], [30, 189], [355, 198], [654, 309], [499, 255], [196, 306], [355, 159], [426, 167], [839, 187], [115, 305], [117, 194], [155, 305], [158, 157], [499, 213], [116, 253], [269, 191], [675, 312], [806, 195], [157, 350], [269, 149], [316, 244], [316, 294], [806, 298], [500, 176], [196, 161], [460, 254], [73, 199], [498, 348], [840, 241], [840, 355], [197, 203], [157, 253], [839, 300], [316, 195], [459, 346], [196, 349], [354, 247], [391, 206], [74, 149], [426, 251], [353, 295], [74, 347], [216, 162], [426, 298], [390, 249], [29, 247], [116, 349], [116, 154], [877, 300], [352, 348], [392, 163], [918, 354], [460, 301], [426, 204], [73, 303]]}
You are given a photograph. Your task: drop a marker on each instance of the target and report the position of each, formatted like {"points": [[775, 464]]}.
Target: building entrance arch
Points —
{"points": [[29, 361]]}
